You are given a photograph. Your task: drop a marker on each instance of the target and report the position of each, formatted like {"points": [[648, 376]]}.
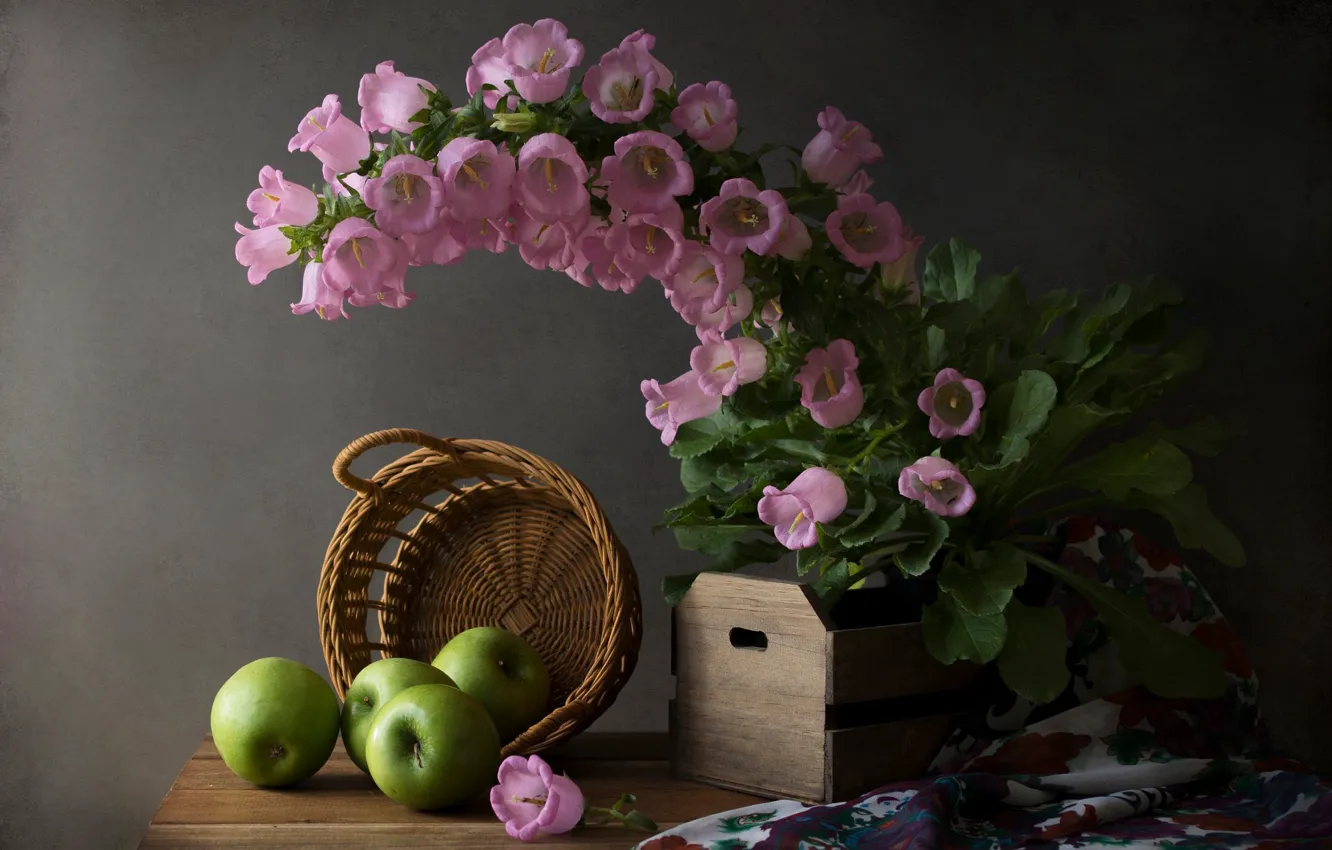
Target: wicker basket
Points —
{"points": [[515, 542]]}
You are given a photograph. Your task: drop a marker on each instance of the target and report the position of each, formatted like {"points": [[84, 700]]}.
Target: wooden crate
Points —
{"points": [[771, 698]]}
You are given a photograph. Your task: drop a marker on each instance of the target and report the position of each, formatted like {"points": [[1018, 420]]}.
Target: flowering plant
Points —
{"points": [[836, 405]]}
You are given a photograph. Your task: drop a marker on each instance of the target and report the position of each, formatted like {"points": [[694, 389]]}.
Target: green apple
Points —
{"points": [[431, 747], [375, 685], [503, 671], [275, 722]]}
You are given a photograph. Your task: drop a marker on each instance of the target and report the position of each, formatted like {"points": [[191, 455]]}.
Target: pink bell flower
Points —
{"points": [[389, 98], [318, 297], [338, 141], [439, 247], [953, 404], [708, 115], [723, 365], [551, 178], [671, 405], [407, 197], [901, 273], [647, 42], [816, 495], [866, 232], [619, 88], [490, 66], [262, 251], [532, 801], [279, 201], [770, 316], [542, 246], [648, 244], [742, 218], [938, 485], [839, 149], [477, 177], [489, 234], [795, 240], [859, 184], [358, 257], [646, 173], [829, 386], [703, 281], [541, 57], [738, 306], [387, 291], [605, 268]]}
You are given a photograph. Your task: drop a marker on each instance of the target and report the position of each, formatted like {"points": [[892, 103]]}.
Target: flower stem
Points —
{"points": [[874, 444]]}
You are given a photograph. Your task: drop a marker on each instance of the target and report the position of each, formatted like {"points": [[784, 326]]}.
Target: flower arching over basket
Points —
{"points": [[504, 538]]}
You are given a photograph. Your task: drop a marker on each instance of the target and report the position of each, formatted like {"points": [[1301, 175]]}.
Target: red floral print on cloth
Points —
{"points": [[1033, 753], [1219, 636], [1157, 557], [1070, 823]]}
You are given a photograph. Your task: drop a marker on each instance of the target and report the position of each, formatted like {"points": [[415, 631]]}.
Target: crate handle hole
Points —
{"points": [[748, 639]]}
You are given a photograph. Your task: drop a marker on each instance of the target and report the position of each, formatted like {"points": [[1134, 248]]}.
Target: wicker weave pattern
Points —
{"points": [[524, 547]]}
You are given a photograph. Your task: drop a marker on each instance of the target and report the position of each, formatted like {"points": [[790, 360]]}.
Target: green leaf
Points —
{"points": [[884, 521], [866, 511], [807, 559], [696, 438], [1033, 399], [637, 820], [1002, 295], [1032, 663], [1073, 344], [675, 587], [1168, 663], [1152, 466], [1205, 438], [836, 580], [952, 634], [934, 347], [1196, 527], [985, 585], [915, 560], [710, 538], [950, 272]]}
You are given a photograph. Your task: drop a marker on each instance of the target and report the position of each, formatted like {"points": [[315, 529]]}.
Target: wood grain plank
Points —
{"points": [[884, 662], [865, 757], [336, 837]]}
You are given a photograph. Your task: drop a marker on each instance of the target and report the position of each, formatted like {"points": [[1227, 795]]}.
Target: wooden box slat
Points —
{"points": [[765, 684]]}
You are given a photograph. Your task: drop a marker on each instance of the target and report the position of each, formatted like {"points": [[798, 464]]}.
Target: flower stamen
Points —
{"points": [[356, 249], [273, 198], [542, 232], [649, 247], [795, 522], [707, 116], [550, 176], [849, 133], [321, 127], [708, 272], [828, 379], [472, 173], [664, 404], [534, 801], [545, 60], [729, 364]]}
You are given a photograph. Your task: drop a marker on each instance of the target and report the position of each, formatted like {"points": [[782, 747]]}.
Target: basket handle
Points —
{"points": [[342, 465]]}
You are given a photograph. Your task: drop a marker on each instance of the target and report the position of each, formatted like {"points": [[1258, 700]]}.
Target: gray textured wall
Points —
{"points": [[166, 430]]}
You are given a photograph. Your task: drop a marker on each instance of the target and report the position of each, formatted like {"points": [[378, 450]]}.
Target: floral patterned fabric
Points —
{"points": [[1105, 765]]}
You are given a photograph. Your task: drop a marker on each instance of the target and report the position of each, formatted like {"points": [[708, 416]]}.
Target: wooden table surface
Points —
{"points": [[209, 806]]}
